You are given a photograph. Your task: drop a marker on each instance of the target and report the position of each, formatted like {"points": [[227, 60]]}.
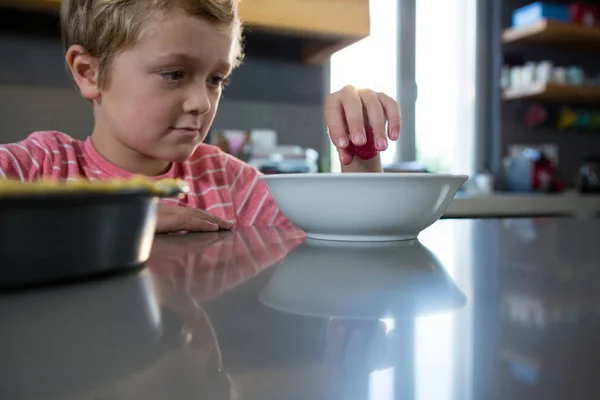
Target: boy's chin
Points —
{"points": [[179, 158], [179, 154]]}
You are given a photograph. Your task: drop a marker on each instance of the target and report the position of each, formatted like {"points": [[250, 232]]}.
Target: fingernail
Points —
{"points": [[381, 144], [342, 141], [395, 134], [359, 138]]}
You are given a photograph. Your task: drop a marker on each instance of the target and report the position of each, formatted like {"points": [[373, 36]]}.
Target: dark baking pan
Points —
{"points": [[53, 236]]}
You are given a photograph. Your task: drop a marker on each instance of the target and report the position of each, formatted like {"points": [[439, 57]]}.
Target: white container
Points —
{"points": [[363, 206], [559, 75], [543, 72], [528, 74]]}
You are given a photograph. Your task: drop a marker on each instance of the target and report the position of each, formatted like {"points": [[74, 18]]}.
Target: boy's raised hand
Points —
{"points": [[172, 219], [349, 111]]}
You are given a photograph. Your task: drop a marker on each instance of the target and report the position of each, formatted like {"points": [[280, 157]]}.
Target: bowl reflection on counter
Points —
{"points": [[351, 280]]}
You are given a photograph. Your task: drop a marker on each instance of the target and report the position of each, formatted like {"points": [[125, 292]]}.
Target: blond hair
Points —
{"points": [[104, 28]]}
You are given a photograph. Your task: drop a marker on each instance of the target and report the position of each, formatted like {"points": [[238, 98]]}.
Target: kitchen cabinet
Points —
{"points": [[37, 5], [325, 26]]}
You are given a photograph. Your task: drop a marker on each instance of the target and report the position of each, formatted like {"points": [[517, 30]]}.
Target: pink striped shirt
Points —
{"points": [[220, 183]]}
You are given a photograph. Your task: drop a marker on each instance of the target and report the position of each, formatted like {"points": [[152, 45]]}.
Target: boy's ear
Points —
{"points": [[84, 69]]}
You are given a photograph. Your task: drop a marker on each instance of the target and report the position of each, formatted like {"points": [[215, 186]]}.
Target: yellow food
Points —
{"points": [[162, 187]]}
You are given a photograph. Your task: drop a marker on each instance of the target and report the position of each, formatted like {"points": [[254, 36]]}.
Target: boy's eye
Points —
{"points": [[172, 75], [217, 81]]}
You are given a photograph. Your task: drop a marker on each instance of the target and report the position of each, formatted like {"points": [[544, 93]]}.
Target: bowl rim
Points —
{"points": [[379, 175]]}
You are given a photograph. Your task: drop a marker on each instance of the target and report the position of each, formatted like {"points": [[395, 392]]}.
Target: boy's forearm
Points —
{"points": [[357, 165]]}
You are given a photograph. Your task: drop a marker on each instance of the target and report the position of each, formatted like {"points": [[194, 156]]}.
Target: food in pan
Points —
{"points": [[164, 187]]}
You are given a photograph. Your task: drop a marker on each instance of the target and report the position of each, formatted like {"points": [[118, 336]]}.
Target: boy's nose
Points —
{"points": [[197, 101]]}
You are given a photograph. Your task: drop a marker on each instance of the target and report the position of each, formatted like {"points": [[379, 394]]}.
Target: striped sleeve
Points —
{"points": [[206, 270], [26, 160], [253, 203]]}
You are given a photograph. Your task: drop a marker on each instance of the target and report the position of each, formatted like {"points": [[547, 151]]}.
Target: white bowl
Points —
{"points": [[363, 206], [350, 280]]}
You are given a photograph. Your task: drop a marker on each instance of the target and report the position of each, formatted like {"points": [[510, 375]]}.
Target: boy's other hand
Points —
{"points": [[350, 110], [176, 219]]}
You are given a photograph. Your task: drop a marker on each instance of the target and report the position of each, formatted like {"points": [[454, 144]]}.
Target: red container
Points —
{"points": [[583, 14]]}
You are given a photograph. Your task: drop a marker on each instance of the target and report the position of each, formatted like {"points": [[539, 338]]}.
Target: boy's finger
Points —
{"points": [[345, 156], [393, 114], [334, 118], [353, 113], [376, 117], [171, 214], [201, 214], [176, 222], [192, 224]]}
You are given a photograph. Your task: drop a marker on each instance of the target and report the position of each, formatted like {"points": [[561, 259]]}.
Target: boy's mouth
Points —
{"points": [[186, 130]]}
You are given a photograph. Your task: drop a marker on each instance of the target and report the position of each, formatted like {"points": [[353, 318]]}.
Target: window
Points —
{"points": [[445, 74], [370, 63]]}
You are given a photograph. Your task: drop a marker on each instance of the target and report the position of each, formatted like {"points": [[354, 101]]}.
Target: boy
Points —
{"points": [[154, 71]]}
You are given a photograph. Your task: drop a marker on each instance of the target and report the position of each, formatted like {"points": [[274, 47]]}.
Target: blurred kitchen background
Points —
{"points": [[506, 91]]}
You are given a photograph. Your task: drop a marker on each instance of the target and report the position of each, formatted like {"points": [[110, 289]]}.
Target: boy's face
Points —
{"points": [[162, 95]]}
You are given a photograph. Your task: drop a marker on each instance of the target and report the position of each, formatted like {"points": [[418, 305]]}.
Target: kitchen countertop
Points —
{"points": [[476, 309], [504, 204]]}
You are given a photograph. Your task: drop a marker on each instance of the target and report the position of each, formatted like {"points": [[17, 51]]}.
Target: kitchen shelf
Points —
{"points": [[549, 32], [555, 92]]}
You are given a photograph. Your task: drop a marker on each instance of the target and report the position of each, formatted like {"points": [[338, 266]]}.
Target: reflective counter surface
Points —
{"points": [[476, 309]]}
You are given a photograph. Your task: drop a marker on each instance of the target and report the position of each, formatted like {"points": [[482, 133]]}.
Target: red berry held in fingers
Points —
{"points": [[366, 151]]}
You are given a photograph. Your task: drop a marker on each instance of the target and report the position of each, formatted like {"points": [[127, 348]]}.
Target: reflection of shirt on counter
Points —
{"points": [[220, 183], [204, 272]]}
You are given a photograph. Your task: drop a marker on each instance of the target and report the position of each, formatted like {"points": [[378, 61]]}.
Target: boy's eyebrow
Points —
{"points": [[176, 57], [225, 65]]}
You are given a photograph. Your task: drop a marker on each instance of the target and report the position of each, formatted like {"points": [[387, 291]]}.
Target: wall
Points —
{"points": [[272, 90], [573, 148]]}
